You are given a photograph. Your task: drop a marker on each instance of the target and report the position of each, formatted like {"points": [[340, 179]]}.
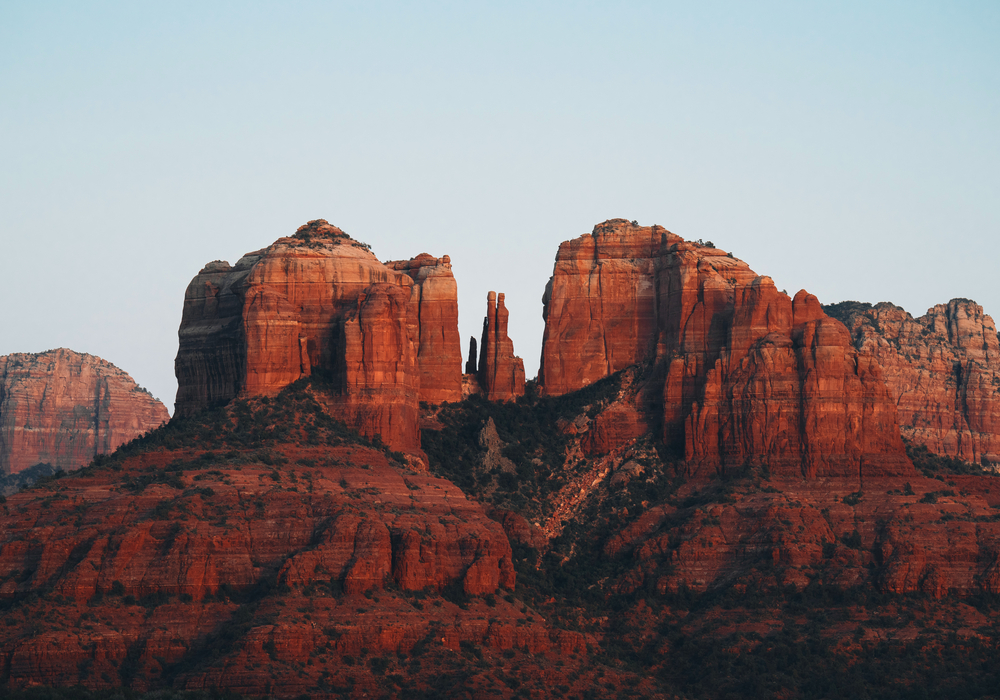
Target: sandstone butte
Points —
{"points": [[501, 373], [741, 372], [384, 335], [63, 408], [942, 369]]}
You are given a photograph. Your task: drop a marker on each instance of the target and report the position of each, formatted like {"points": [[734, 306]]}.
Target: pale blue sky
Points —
{"points": [[849, 148]]}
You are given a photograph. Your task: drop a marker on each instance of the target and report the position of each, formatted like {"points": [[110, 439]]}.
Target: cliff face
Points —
{"points": [[321, 301], [501, 373], [439, 352], [64, 408], [942, 369], [600, 305], [378, 378], [750, 376]]}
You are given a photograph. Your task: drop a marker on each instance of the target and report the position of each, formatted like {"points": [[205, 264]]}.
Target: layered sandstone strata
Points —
{"points": [[385, 335], [943, 370], [750, 376], [501, 372], [64, 408], [209, 547]]}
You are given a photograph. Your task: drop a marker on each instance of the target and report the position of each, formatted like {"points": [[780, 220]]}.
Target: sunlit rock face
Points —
{"points": [[439, 351], [501, 372], [942, 369], [63, 408], [749, 375], [320, 302]]}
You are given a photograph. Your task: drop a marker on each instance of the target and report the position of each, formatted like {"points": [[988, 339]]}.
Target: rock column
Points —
{"points": [[501, 373]]}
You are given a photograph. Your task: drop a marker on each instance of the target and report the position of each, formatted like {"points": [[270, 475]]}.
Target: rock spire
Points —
{"points": [[501, 373]]}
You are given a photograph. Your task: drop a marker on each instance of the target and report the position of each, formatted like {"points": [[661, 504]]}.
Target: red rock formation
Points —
{"points": [[501, 373], [318, 300], [600, 305], [147, 574], [942, 369], [518, 529], [751, 376], [211, 360], [378, 376], [64, 408], [899, 537], [612, 428], [260, 325], [439, 354]]}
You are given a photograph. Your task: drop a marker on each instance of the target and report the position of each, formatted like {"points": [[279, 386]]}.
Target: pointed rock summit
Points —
{"points": [[472, 365]]}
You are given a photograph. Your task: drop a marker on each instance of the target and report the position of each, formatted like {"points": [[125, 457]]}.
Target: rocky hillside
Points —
{"points": [[265, 548], [749, 584], [62, 408], [291, 557]]}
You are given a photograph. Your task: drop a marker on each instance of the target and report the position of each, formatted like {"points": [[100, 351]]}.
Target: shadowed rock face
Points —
{"points": [[386, 334], [64, 408], [501, 373], [749, 375], [942, 369]]}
